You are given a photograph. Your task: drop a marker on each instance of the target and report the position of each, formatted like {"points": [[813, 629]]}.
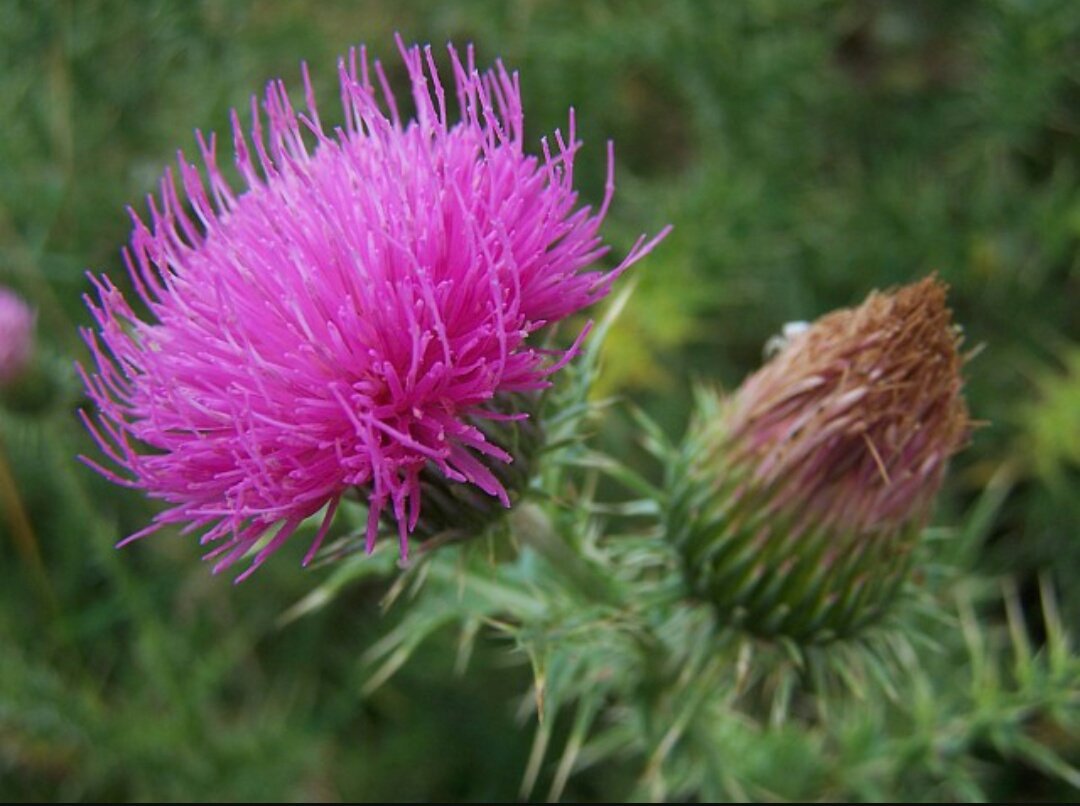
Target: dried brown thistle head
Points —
{"points": [[823, 465]]}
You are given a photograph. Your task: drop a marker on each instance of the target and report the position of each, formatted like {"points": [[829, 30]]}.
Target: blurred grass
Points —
{"points": [[805, 151]]}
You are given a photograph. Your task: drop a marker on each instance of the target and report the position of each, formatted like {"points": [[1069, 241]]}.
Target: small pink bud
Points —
{"points": [[16, 336]]}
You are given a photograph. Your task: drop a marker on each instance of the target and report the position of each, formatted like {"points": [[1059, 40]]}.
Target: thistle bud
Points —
{"points": [[812, 482], [30, 380], [16, 337]]}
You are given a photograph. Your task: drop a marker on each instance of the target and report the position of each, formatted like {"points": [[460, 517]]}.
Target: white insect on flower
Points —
{"points": [[779, 341]]}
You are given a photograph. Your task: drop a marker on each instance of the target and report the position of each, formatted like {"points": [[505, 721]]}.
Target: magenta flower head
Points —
{"points": [[811, 484], [352, 318], [16, 336]]}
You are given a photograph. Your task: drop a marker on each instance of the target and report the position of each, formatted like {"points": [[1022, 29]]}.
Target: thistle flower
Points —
{"points": [[818, 474], [16, 336], [352, 318]]}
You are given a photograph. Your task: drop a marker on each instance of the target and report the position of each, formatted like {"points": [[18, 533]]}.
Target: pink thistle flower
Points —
{"points": [[348, 318], [16, 336]]}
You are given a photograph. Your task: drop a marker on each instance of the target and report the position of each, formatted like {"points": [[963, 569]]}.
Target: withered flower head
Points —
{"points": [[819, 472]]}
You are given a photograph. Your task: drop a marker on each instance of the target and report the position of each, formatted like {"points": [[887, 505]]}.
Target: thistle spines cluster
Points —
{"points": [[453, 510]]}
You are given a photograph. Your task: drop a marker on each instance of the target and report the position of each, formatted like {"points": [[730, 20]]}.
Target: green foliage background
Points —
{"points": [[807, 151]]}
